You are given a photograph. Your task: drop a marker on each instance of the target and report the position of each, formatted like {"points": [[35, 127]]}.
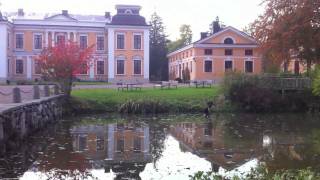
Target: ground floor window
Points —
{"points": [[37, 68], [100, 67], [228, 65], [248, 67], [137, 144], [8, 66], [207, 66], [120, 66], [137, 66], [19, 66]]}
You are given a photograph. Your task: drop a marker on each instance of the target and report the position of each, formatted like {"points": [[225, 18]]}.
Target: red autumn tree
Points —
{"points": [[63, 61], [289, 28]]}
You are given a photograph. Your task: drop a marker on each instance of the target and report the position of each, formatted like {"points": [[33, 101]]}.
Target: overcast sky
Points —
{"points": [[198, 13]]}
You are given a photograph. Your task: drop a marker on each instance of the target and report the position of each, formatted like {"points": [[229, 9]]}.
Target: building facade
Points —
{"points": [[213, 55], [121, 43]]}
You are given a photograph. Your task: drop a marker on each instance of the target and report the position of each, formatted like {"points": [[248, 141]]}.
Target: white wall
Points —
{"points": [[3, 52], [110, 53], [146, 54]]}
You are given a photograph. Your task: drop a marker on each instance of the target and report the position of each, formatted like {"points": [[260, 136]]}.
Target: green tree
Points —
{"points": [[158, 49], [185, 38]]}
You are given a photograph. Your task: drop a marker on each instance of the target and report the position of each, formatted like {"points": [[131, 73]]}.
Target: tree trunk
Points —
{"points": [[66, 86]]}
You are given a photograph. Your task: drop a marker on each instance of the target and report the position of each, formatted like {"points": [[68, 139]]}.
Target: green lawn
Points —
{"points": [[181, 99], [90, 83]]}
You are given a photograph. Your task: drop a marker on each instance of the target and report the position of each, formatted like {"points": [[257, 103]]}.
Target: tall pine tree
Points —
{"points": [[158, 50]]}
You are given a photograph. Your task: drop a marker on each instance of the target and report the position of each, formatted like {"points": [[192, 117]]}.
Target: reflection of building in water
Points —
{"points": [[211, 143], [124, 148]]}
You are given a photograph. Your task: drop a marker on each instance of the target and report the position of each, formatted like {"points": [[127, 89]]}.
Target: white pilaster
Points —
{"points": [[47, 39], [29, 67], [110, 144], [111, 53], [91, 69], [146, 59], [146, 142], [52, 38], [3, 52], [69, 35]]}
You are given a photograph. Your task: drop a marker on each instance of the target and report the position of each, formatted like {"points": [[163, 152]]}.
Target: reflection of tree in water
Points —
{"points": [[157, 138]]}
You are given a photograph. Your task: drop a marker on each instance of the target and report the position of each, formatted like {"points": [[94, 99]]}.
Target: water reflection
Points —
{"points": [[174, 149], [121, 148]]}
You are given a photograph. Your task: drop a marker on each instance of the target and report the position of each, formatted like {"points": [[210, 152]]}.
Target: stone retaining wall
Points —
{"points": [[17, 121]]}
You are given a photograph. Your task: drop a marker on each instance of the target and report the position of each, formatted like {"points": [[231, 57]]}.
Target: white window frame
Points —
{"points": [[224, 64], [121, 58], [124, 40], [33, 38], [226, 37], [141, 46], [15, 38], [244, 65], [83, 35], [104, 43], [137, 58], [104, 67]]}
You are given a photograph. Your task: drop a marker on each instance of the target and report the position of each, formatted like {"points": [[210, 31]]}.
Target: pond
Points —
{"points": [[165, 147]]}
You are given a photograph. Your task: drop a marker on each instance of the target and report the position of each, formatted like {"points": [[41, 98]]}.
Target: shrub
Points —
{"points": [[249, 93]]}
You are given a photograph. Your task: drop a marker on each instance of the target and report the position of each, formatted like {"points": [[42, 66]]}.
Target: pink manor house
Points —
{"points": [[121, 43]]}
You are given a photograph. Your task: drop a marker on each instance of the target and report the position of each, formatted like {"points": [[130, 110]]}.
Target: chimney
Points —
{"points": [[20, 12], [203, 35], [107, 15], [65, 12]]}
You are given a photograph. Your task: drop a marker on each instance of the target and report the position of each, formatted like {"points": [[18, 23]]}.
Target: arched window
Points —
{"points": [[228, 41]]}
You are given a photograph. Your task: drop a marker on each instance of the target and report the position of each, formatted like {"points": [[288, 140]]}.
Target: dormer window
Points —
{"points": [[228, 41]]}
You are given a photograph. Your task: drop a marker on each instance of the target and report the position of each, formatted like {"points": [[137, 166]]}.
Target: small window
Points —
{"points": [[100, 67], [228, 66], [208, 52], [137, 66], [82, 143], [137, 41], [19, 66], [228, 52], [207, 66], [120, 67], [83, 42], [37, 38], [120, 41], [100, 143], [37, 68], [228, 41], [100, 43], [248, 66], [19, 41], [248, 52]]}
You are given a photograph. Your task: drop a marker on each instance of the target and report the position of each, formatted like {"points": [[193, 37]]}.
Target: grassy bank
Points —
{"points": [[145, 101]]}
